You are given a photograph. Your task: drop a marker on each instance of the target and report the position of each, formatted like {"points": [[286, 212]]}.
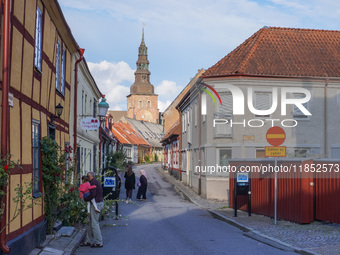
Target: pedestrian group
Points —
{"points": [[92, 192]]}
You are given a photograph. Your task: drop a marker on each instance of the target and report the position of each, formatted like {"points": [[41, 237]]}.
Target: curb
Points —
{"points": [[249, 232], [73, 245]]}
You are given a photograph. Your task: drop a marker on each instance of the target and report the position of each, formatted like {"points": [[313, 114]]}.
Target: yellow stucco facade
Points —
{"points": [[35, 97]]}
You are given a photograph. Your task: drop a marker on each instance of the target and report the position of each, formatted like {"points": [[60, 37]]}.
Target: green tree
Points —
{"points": [[116, 159]]}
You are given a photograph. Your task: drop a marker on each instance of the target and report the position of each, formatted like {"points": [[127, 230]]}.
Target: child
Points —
{"points": [[85, 191]]}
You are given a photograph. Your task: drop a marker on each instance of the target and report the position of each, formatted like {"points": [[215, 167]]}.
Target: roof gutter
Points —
{"points": [[5, 113]]}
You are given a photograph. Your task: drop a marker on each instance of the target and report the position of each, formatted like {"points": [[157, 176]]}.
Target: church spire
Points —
{"points": [[143, 43], [142, 83], [142, 102]]}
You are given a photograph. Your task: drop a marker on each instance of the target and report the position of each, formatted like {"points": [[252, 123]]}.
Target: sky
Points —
{"points": [[182, 36]]}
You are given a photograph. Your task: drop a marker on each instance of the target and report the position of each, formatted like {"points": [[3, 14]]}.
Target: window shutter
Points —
{"points": [[262, 101], [297, 113], [227, 104]]}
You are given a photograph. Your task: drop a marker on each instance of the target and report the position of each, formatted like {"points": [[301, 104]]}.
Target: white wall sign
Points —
{"points": [[90, 123]]}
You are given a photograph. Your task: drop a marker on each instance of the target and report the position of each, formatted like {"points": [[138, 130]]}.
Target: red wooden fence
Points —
{"points": [[294, 191], [327, 192]]}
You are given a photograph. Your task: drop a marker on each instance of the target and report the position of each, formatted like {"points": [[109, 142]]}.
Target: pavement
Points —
{"points": [[315, 238], [64, 242]]}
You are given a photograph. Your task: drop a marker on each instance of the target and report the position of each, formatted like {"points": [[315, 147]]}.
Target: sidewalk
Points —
{"points": [[315, 238], [65, 242]]}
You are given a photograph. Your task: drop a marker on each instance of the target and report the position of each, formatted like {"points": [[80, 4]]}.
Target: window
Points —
{"points": [[82, 102], [195, 114], [94, 157], [262, 102], [224, 156], [60, 68], [301, 153], [57, 67], [63, 61], [81, 159], [297, 113], [224, 116], [38, 38], [51, 132], [35, 156], [85, 103], [183, 123], [140, 104], [94, 108], [90, 158], [149, 104]]}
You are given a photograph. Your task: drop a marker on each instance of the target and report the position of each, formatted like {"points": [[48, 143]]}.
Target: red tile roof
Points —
{"points": [[120, 136], [288, 52], [126, 134], [175, 130]]}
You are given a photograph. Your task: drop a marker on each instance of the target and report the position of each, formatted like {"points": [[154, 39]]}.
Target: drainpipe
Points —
{"points": [[5, 109], [81, 52], [199, 142], [325, 114]]}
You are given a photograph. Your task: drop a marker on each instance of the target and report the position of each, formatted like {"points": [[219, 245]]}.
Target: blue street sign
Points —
{"points": [[110, 182]]}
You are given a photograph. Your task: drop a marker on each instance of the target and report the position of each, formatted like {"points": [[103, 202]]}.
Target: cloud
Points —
{"points": [[163, 105], [168, 89], [113, 80]]}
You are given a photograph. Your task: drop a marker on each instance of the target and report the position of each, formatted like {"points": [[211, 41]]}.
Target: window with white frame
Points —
{"points": [[183, 123], [196, 114], [262, 102], [85, 104], [63, 70], [223, 116], [224, 155], [35, 156], [188, 117], [57, 67], [38, 39], [297, 113], [82, 102]]}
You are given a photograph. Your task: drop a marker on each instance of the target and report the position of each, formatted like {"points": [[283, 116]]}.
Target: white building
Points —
{"points": [[88, 141], [273, 64]]}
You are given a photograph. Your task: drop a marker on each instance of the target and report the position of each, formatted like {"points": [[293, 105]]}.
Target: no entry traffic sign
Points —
{"points": [[275, 136]]}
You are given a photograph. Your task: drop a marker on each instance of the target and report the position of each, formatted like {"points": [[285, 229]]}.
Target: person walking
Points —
{"points": [[142, 184], [94, 236], [130, 182]]}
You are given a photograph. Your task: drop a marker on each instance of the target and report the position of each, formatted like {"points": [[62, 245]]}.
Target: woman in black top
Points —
{"points": [[143, 184], [130, 181]]}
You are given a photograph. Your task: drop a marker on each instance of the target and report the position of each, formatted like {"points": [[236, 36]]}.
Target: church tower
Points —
{"points": [[142, 103]]}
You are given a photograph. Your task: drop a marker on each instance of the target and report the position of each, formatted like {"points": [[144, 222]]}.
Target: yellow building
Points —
{"points": [[41, 57]]}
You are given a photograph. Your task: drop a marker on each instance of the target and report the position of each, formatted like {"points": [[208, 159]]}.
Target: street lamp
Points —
{"points": [[103, 107], [58, 110]]}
